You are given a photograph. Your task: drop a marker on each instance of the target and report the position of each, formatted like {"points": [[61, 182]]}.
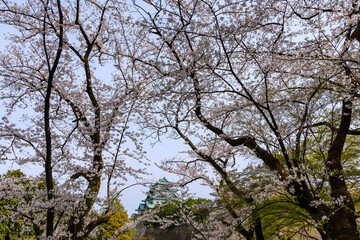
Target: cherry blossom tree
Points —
{"points": [[16, 222], [272, 80], [65, 113]]}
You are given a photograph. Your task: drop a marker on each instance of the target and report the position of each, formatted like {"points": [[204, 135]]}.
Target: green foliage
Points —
{"points": [[261, 199], [284, 219], [200, 213], [178, 211], [112, 229]]}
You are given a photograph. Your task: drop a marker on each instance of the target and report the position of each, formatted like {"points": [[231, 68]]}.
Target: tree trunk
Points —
{"points": [[343, 225], [50, 214], [342, 220], [258, 229]]}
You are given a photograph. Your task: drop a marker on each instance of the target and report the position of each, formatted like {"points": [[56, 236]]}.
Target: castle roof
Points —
{"points": [[162, 181]]}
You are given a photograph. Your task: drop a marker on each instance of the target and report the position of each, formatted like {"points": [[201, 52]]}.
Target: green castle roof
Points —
{"points": [[162, 181]]}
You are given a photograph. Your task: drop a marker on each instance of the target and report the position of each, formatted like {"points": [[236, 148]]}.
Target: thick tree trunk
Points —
{"points": [[258, 229], [342, 220], [343, 225], [77, 223], [248, 235]]}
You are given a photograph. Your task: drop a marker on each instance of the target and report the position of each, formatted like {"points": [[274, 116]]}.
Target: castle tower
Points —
{"points": [[159, 192]]}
